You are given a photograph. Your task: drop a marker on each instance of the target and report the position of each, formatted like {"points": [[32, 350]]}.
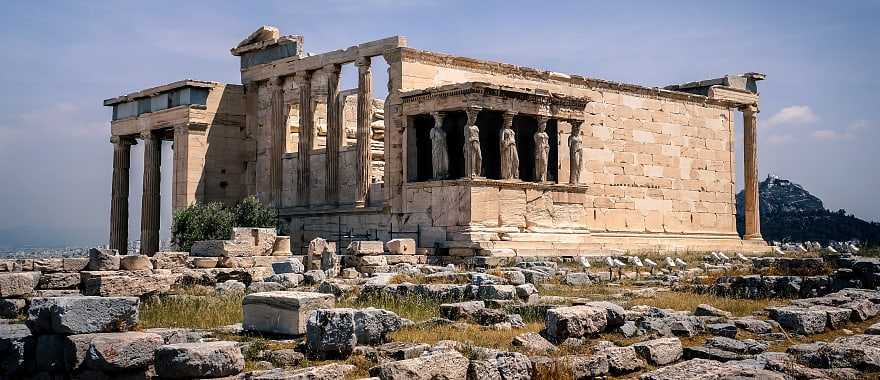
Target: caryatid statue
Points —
{"points": [[509, 156], [542, 150], [575, 152], [473, 155], [439, 152]]}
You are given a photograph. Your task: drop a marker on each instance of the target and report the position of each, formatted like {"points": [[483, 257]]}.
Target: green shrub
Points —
{"points": [[251, 213], [201, 222]]}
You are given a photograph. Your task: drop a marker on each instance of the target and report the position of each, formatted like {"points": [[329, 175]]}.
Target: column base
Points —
{"points": [[753, 237]]}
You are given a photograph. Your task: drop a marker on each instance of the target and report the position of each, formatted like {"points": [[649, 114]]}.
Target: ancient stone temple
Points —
{"points": [[471, 158]]}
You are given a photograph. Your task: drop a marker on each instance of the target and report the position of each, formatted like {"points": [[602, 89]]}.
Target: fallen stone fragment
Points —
{"points": [[616, 314], [873, 329], [401, 246], [494, 364], [288, 266], [332, 371], [288, 280], [574, 322], [705, 352], [111, 352], [621, 360], [722, 329], [533, 342], [371, 326], [800, 320], [59, 280], [282, 312], [710, 311], [754, 326], [585, 366], [264, 286], [660, 351], [746, 346], [704, 369], [82, 314], [446, 365], [460, 310], [862, 310], [199, 360], [103, 259], [135, 262], [330, 333]]}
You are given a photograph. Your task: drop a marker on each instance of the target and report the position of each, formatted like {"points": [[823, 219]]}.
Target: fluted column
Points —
{"points": [[279, 138], [306, 133], [151, 198], [335, 134], [750, 166], [119, 196], [364, 116]]}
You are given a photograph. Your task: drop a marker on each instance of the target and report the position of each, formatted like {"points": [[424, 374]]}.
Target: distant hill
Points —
{"points": [[790, 213]]}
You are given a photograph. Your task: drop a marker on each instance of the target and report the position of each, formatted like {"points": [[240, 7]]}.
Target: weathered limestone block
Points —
{"points": [[706, 310], [18, 284], [49, 265], [660, 351], [198, 360], [282, 312], [446, 365], [261, 239], [403, 259], [364, 248], [82, 314], [235, 262], [103, 259], [113, 285], [288, 280], [574, 322], [621, 360], [222, 248], [74, 264], [460, 310], [60, 280], [204, 262], [330, 333], [800, 320], [291, 265], [710, 369], [533, 342], [371, 326], [135, 262], [322, 372], [316, 250], [111, 352], [264, 286], [496, 292], [401, 246], [170, 260]]}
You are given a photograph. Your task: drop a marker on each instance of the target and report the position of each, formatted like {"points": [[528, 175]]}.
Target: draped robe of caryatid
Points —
{"points": [[575, 154], [542, 153], [473, 152], [509, 156], [439, 153]]}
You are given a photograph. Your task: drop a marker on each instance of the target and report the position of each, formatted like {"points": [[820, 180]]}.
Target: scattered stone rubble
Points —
{"points": [[90, 330]]}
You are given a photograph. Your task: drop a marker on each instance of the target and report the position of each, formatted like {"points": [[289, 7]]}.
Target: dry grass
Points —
{"points": [[410, 307], [191, 308], [467, 334], [421, 279], [554, 288], [688, 302]]}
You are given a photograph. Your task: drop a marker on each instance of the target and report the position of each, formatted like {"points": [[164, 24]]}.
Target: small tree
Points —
{"points": [[201, 222], [251, 213]]}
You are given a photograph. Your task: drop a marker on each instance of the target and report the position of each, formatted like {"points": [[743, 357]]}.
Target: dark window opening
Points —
{"points": [[490, 123], [453, 125], [525, 128], [420, 148], [553, 159]]}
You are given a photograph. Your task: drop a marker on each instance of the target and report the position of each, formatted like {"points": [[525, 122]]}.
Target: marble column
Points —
{"points": [[750, 165], [335, 135], [278, 127], [152, 202], [119, 198], [509, 154], [364, 116], [306, 135], [473, 153]]}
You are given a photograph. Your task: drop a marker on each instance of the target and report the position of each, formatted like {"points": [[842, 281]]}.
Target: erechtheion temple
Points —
{"points": [[471, 158]]}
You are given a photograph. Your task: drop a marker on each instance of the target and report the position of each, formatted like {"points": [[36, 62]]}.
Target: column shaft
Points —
{"points": [[364, 116], [119, 197], [151, 197], [750, 166], [279, 139], [335, 135]]}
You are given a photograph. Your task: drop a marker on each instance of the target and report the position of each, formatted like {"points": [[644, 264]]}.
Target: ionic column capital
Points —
{"points": [[333, 68], [148, 135], [303, 78], [277, 81], [749, 108]]}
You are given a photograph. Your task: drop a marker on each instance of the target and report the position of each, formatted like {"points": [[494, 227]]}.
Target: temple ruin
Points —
{"points": [[475, 160]]}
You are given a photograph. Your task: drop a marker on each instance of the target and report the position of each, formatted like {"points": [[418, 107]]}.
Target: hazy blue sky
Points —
{"points": [[819, 123]]}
